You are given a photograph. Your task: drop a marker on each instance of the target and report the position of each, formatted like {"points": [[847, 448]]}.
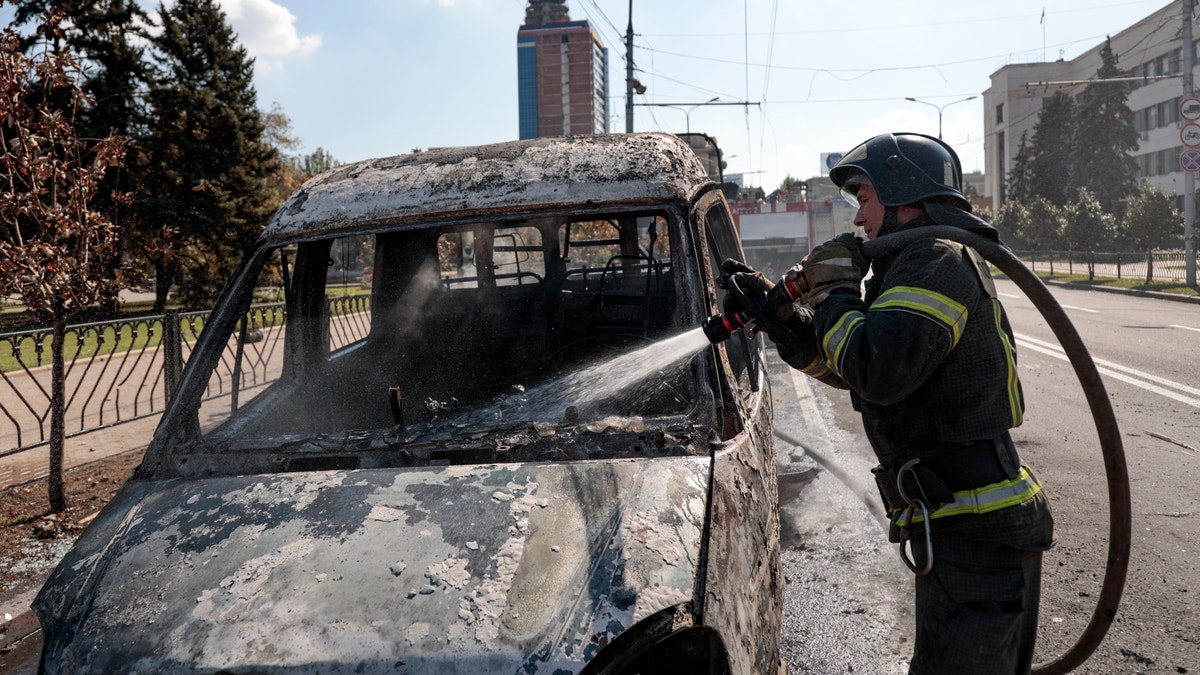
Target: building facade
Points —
{"points": [[562, 74], [1150, 52]]}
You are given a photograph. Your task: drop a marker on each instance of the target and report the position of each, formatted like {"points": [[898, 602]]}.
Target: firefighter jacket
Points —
{"points": [[928, 353]]}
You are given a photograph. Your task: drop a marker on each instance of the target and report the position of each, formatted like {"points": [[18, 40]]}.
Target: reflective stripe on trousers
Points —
{"points": [[987, 498]]}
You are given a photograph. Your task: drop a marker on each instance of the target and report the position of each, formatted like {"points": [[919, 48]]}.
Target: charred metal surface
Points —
{"points": [[744, 587], [538, 174], [608, 438], [482, 568], [404, 503]]}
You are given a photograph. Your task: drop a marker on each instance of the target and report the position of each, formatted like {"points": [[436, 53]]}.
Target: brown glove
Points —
{"points": [[837, 263]]}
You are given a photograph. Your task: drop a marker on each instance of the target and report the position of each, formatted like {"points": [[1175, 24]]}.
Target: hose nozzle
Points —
{"points": [[719, 327]]}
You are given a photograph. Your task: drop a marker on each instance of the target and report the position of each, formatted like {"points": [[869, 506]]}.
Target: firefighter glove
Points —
{"points": [[749, 291], [835, 264]]}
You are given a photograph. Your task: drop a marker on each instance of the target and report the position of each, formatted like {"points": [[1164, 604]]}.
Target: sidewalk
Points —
{"points": [[31, 465]]}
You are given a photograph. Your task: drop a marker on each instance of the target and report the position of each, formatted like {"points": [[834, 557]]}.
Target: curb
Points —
{"points": [[1158, 295]]}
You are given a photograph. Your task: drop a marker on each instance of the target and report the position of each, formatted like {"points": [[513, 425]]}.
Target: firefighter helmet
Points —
{"points": [[905, 168]]}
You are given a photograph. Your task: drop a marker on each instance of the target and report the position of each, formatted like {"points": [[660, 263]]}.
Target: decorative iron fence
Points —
{"points": [[1147, 266], [124, 370]]}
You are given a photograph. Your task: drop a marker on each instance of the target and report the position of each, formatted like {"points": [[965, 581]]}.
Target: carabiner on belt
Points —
{"points": [[905, 519]]}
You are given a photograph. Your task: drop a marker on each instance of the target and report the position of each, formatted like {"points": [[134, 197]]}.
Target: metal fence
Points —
{"points": [[124, 370], [1145, 266]]}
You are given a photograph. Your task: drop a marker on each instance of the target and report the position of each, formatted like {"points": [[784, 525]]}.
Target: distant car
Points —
{"points": [[422, 479]]}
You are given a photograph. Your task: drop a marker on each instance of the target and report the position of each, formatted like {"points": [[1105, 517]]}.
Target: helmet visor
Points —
{"points": [[850, 188]]}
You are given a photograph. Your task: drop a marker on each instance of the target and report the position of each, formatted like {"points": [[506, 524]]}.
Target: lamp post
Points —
{"points": [[940, 108], [687, 110]]}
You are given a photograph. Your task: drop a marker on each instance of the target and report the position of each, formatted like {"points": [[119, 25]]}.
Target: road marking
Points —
{"points": [[1123, 373], [1185, 327], [1080, 309]]}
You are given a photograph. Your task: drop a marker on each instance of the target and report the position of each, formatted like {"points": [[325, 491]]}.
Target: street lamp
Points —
{"points": [[687, 111], [940, 108]]}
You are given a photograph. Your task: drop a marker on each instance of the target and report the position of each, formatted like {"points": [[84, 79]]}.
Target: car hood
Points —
{"points": [[454, 569]]}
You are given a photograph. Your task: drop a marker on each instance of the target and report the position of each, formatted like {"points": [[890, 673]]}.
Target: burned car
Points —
{"points": [[482, 433]]}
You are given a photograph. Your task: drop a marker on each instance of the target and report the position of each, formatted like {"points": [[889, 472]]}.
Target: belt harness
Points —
{"points": [[920, 508]]}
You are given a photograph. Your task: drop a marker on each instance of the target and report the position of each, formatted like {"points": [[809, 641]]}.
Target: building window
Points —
{"points": [[1000, 114]]}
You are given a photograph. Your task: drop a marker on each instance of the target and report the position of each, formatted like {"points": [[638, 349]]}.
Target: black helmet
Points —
{"points": [[905, 168]]}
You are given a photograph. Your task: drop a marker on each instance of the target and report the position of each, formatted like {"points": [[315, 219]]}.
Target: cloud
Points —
{"points": [[267, 29]]}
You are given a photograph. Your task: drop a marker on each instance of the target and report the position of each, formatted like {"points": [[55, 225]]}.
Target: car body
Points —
{"points": [[455, 473]]}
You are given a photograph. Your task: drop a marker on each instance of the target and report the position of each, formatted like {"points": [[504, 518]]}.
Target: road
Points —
{"points": [[848, 597], [1146, 351]]}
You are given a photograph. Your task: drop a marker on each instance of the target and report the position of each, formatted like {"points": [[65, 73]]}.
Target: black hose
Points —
{"points": [[1119, 520]]}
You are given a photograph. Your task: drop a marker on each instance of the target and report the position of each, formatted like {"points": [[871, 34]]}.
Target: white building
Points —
{"points": [[1150, 50]]}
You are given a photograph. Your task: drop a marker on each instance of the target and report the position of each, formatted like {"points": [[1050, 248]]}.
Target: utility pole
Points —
{"points": [[629, 72], [1189, 178]]}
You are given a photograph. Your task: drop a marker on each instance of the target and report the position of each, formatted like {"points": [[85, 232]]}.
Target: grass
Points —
{"points": [[116, 339], [1177, 288], [131, 336]]}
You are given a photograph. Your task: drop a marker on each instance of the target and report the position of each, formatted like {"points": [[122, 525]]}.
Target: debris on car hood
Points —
{"points": [[515, 567]]}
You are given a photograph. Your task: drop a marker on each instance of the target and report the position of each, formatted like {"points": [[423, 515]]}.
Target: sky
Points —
{"points": [[373, 78]]}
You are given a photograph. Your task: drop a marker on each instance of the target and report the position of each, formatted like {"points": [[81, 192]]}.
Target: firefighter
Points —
{"points": [[929, 359]]}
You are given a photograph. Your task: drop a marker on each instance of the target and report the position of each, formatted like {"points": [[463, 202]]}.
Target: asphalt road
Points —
{"points": [[848, 595], [1146, 351]]}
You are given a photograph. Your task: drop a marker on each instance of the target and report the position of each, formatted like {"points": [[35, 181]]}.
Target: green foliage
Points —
{"points": [[1020, 185], [1043, 226], [207, 187], [1104, 137], [319, 161], [1152, 220], [1086, 227], [1051, 151], [1010, 220]]}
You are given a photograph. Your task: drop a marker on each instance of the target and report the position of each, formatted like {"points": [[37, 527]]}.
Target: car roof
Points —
{"points": [[514, 177]]}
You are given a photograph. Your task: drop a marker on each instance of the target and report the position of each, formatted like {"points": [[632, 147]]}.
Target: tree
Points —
{"points": [[1020, 179], [277, 131], [319, 161], [1086, 227], [1010, 220], [207, 190], [1051, 151], [1043, 228], [1151, 219], [104, 38], [56, 249], [1104, 137]]}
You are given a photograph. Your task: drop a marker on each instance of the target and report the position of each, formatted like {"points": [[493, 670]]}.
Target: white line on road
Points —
{"points": [[1081, 309], [1185, 327], [1122, 373]]}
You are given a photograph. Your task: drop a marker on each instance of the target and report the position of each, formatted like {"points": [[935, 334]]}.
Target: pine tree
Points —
{"points": [[1051, 151], [207, 190], [1020, 178], [1104, 137]]}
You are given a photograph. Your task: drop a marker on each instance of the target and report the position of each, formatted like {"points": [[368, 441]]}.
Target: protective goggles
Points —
{"points": [[850, 188]]}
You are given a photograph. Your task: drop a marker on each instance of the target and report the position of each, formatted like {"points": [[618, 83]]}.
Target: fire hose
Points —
{"points": [[1116, 472]]}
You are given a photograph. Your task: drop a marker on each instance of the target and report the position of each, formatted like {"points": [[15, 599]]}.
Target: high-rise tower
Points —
{"points": [[562, 73]]}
